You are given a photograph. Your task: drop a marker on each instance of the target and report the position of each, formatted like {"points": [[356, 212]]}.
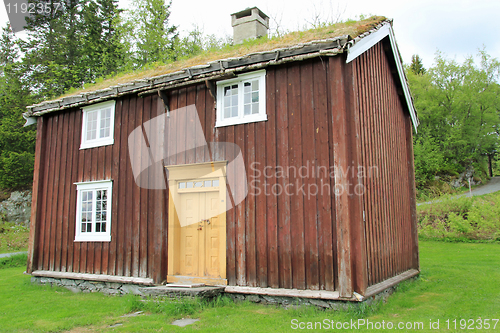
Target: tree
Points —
{"points": [[416, 66], [102, 48], [52, 50], [155, 38], [458, 107], [17, 144]]}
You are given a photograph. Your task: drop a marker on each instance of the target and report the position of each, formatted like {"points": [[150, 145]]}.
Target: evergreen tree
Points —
{"points": [[52, 50], [155, 38], [416, 66], [103, 53], [17, 144]]}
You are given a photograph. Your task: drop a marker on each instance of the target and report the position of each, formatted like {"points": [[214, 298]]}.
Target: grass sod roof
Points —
{"points": [[327, 40]]}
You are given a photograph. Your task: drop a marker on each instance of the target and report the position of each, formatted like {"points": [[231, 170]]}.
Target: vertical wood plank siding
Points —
{"points": [[64, 164], [388, 200], [284, 234]]}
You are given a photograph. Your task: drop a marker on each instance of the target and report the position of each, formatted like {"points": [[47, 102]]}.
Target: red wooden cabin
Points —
{"points": [[339, 103]]}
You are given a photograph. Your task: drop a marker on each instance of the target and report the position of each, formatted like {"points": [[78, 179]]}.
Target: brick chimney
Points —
{"points": [[250, 23]]}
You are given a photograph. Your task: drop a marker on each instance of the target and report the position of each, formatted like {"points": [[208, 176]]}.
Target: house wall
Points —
{"points": [[138, 224], [314, 241], [272, 240], [386, 142], [276, 241]]}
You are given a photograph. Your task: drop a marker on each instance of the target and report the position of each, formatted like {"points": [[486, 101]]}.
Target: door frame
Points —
{"points": [[198, 171]]}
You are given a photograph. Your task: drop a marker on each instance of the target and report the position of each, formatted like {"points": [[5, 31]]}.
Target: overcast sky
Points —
{"points": [[458, 28]]}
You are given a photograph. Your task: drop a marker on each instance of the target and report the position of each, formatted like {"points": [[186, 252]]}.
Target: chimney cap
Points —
{"points": [[248, 12]]}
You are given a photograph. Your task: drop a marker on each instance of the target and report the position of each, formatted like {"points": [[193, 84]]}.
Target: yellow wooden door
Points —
{"points": [[201, 235]]}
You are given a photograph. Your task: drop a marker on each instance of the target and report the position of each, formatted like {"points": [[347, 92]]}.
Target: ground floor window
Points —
{"points": [[93, 215]]}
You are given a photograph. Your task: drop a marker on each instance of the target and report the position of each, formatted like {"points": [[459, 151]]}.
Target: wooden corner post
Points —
{"points": [[36, 196], [351, 252]]}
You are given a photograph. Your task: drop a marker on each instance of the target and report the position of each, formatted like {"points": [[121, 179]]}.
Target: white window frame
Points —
{"points": [[98, 142], [93, 236], [242, 119]]}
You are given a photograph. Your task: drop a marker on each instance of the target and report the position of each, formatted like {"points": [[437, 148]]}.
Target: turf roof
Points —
{"points": [[349, 28]]}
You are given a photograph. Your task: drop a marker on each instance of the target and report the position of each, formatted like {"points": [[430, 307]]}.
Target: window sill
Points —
{"points": [[93, 238], [100, 143], [240, 121]]}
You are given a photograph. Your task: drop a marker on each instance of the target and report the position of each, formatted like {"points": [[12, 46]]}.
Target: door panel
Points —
{"points": [[212, 235], [200, 234], [189, 234]]}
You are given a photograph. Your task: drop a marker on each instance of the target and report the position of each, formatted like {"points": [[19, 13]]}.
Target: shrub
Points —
{"points": [[461, 219]]}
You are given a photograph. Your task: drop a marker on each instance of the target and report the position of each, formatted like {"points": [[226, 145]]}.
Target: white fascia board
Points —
{"points": [[369, 41]]}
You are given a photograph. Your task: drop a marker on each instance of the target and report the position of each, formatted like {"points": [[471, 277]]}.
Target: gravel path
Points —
{"points": [[4, 255], [492, 186]]}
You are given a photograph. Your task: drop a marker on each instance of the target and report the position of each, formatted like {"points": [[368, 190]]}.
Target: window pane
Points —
{"points": [[248, 87], [198, 184], [215, 183], [182, 185], [106, 113], [91, 125], [98, 217], [104, 216], [83, 227], [103, 227], [97, 227], [227, 112], [208, 183], [255, 85], [89, 227], [247, 99], [189, 184], [247, 109], [234, 112], [227, 91], [255, 108], [255, 97], [234, 100], [91, 135], [234, 89]]}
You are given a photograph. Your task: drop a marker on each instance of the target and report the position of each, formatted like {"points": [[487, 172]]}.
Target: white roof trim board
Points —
{"points": [[368, 42]]}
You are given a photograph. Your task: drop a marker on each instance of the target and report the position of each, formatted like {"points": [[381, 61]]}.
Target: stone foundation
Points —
{"points": [[108, 288], [113, 288]]}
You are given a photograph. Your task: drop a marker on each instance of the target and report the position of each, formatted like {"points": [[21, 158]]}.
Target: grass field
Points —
{"points": [[13, 238], [458, 281]]}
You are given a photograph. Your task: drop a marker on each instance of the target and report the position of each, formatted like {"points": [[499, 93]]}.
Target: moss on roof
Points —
{"points": [[351, 28]]}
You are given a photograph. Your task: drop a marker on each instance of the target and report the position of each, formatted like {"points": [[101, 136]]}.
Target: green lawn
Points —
{"points": [[458, 281]]}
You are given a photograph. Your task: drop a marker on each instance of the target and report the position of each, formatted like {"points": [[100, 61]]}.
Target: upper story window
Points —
{"points": [[242, 100], [93, 215], [98, 125]]}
